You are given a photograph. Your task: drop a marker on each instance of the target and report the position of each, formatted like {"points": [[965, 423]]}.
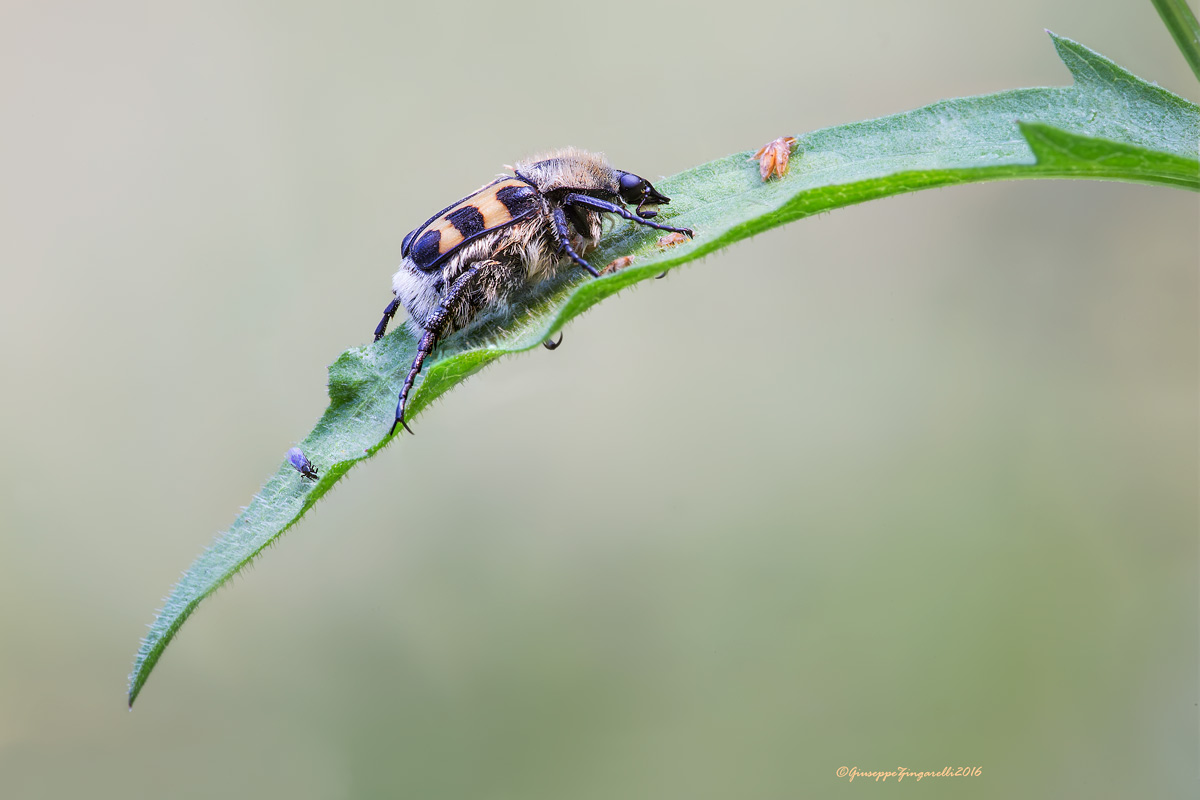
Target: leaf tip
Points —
{"points": [[1060, 41], [137, 678]]}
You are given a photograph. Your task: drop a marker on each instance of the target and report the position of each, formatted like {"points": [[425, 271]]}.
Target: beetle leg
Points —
{"points": [[433, 332], [388, 313], [550, 344], [564, 241], [612, 208]]}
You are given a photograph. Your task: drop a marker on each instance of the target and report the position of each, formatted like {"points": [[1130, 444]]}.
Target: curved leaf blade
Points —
{"points": [[1109, 125]]}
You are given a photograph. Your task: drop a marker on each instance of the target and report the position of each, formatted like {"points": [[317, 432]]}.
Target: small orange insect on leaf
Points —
{"points": [[672, 239], [617, 263], [773, 157]]}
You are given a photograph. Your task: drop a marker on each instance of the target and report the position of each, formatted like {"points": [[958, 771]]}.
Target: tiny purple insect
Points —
{"points": [[301, 463]]}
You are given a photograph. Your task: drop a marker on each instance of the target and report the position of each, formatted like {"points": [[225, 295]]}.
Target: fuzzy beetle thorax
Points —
{"points": [[573, 169]]}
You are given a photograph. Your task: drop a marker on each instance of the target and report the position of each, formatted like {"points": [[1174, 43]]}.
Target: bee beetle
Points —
{"points": [[515, 231]]}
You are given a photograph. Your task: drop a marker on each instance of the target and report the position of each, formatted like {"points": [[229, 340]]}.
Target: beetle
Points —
{"points": [[518, 230]]}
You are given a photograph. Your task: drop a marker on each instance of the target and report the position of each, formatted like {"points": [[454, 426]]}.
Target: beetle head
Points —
{"points": [[637, 191]]}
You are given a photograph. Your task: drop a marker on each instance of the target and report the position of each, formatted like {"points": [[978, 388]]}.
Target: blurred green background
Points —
{"points": [[942, 511]]}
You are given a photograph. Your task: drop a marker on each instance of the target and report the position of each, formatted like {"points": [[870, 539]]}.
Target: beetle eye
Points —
{"points": [[632, 187], [404, 245]]}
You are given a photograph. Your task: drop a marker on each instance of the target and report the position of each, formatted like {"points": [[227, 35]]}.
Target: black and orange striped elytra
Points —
{"points": [[499, 204], [519, 229]]}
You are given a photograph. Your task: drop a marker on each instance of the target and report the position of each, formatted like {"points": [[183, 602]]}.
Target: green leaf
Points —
{"points": [[1109, 125]]}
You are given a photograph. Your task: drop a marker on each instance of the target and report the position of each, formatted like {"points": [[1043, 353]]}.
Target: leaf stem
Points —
{"points": [[1181, 22]]}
